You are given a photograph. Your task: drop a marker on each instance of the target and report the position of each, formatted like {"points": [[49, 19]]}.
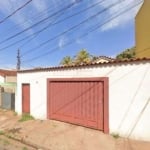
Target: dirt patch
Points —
{"points": [[55, 135], [9, 144]]}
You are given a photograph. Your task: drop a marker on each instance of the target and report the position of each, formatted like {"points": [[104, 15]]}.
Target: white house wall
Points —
{"points": [[2, 79], [129, 95]]}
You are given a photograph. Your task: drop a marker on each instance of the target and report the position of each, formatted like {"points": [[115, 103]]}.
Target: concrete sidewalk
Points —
{"points": [[54, 135]]}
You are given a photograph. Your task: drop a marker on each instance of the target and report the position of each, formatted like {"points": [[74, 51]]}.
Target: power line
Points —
{"points": [[64, 19], [50, 25], [34, 35], [27, 37], [143, 51], [83, 35], [40, 14], [13, 13], [70, 29], [39, 22]]}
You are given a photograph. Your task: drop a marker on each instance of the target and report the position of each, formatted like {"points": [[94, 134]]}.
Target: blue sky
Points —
{"points": [[110, 39]]}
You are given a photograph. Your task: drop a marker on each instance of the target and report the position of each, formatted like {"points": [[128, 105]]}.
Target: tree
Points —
{"points": [[127, 54], [82, 57], [66, 61]]}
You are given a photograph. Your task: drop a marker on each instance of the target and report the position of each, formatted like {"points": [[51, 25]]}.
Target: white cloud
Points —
{"points": [[39, 5], [8, 6], [79, 41], [62, 41], [122, 19], [24, 16]]}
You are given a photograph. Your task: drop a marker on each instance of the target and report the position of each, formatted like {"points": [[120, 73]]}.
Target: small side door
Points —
{"points": [[26, 98]]}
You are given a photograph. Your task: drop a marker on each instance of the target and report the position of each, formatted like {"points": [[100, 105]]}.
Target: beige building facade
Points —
{"points": [[142, 31]]}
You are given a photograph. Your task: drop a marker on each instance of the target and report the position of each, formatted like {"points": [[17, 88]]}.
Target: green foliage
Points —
{"points": [[127, 54], [66, 61], [15, 113], [1, 132], [26, 117], [6, 142], [9, 136], [24, 148], [115, 135], [82, 57]]}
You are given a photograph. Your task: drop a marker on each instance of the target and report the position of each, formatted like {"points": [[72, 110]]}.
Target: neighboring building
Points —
{"points": [[142, 31], [112, 97], [102, 59], [8, 76], [8, 79]]}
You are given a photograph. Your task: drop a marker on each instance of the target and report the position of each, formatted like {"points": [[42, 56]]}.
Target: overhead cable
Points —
{"points": [[13, 13]]}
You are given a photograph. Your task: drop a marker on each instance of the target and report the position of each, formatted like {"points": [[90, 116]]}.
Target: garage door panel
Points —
{"points": [[77, 102], [91, 124], [81, 101]]}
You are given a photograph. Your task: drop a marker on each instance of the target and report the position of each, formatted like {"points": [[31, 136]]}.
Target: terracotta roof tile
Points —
{"points": [[115, 61], [4, 72], [105, 57]]}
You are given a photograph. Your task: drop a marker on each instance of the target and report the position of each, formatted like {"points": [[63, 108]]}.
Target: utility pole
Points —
{"points": [[18, 60]]}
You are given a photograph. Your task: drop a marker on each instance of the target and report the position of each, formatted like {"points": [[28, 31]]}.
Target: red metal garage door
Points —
{"points": [[79, 101]]}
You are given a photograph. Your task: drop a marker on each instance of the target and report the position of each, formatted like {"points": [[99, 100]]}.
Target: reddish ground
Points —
{"points": [[54, 135]]}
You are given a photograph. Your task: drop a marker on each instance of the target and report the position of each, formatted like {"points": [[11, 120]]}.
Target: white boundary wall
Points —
{"points": [[129, 94]]}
